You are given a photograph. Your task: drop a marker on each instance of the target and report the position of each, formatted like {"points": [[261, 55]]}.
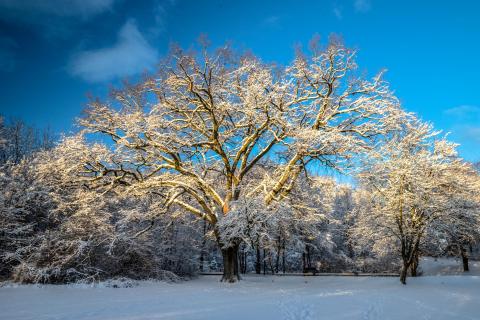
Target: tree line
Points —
{"points": [[216, 162]]}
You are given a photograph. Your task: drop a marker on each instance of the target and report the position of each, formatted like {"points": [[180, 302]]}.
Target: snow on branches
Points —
{"points": [[416, 186], [193, 132]]}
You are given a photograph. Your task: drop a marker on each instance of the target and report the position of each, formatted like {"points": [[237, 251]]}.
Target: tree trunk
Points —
{"points": [[403, 273], [277, 258], [258, 266], [270, 262], [264, 262], [413, 269], [204, 241], [309, 260], [307, 263], [245, 264], [240, 260], [464, 259], [414, 266], [230, 264], [304, 264]]}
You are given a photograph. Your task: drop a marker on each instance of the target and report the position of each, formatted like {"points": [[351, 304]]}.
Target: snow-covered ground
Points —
{"points": [[450, 266], [256, 297]]}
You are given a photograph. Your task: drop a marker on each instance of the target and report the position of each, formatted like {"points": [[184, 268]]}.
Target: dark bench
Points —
{"points": [[310, 270]]}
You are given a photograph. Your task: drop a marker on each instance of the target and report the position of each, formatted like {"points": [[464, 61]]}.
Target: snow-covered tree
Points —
{"points": [[3, 133], [297, 225], [192, 133], [54, 228], [416, 185], [458, 230], [24, 213], [18, 140]]}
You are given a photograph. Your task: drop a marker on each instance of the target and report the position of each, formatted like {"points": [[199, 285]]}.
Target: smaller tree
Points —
{"points": [[414, 182], [458, 230], [24, 214], [55, 229], [19, 140]]}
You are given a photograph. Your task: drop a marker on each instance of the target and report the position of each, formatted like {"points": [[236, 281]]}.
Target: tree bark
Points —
{"points": [[264, 262], [414, 266], [277, 258], [230, 264], [244, 259], [464, 259], [258, 266], [403, 273], [270, 262], [204, 241], [307, 262]]}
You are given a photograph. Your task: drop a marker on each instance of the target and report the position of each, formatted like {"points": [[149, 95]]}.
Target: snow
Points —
{"points": [[447, 266], [256, 297]]}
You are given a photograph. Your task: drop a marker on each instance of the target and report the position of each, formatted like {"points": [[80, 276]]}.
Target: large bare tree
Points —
{"points": [[193, 132]]}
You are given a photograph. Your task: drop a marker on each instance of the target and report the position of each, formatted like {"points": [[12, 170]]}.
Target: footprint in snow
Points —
{"points": [[292, 308], [374, 310]]}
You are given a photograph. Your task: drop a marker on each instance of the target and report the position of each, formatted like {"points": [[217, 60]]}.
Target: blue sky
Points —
{"points": [[54, 52]]}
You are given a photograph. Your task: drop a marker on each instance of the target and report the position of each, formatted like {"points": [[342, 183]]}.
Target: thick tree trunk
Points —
{"points": [[464, 259], [230, 264]]}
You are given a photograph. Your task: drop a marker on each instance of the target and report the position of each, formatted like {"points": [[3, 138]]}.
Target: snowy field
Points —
{"points": [[256, 297]]}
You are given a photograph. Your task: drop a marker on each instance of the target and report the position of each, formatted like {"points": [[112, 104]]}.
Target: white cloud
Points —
{"points": [[466, 134], [464, 125], [472, 133], [272, 22], [160, 13], [63, 8], [130, 55], [362, 5], [52, 19], [337, 11], [160, 10], [464, 112]]}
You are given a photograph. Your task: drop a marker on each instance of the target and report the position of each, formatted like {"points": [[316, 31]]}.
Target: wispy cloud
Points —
{"points": [[338, 12], [52, 19], [464, 124], [272, 22], [160, 13], [362, 5], [130, 55], [472, 133], [464, 112], [160, 16], [30, 9]]}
